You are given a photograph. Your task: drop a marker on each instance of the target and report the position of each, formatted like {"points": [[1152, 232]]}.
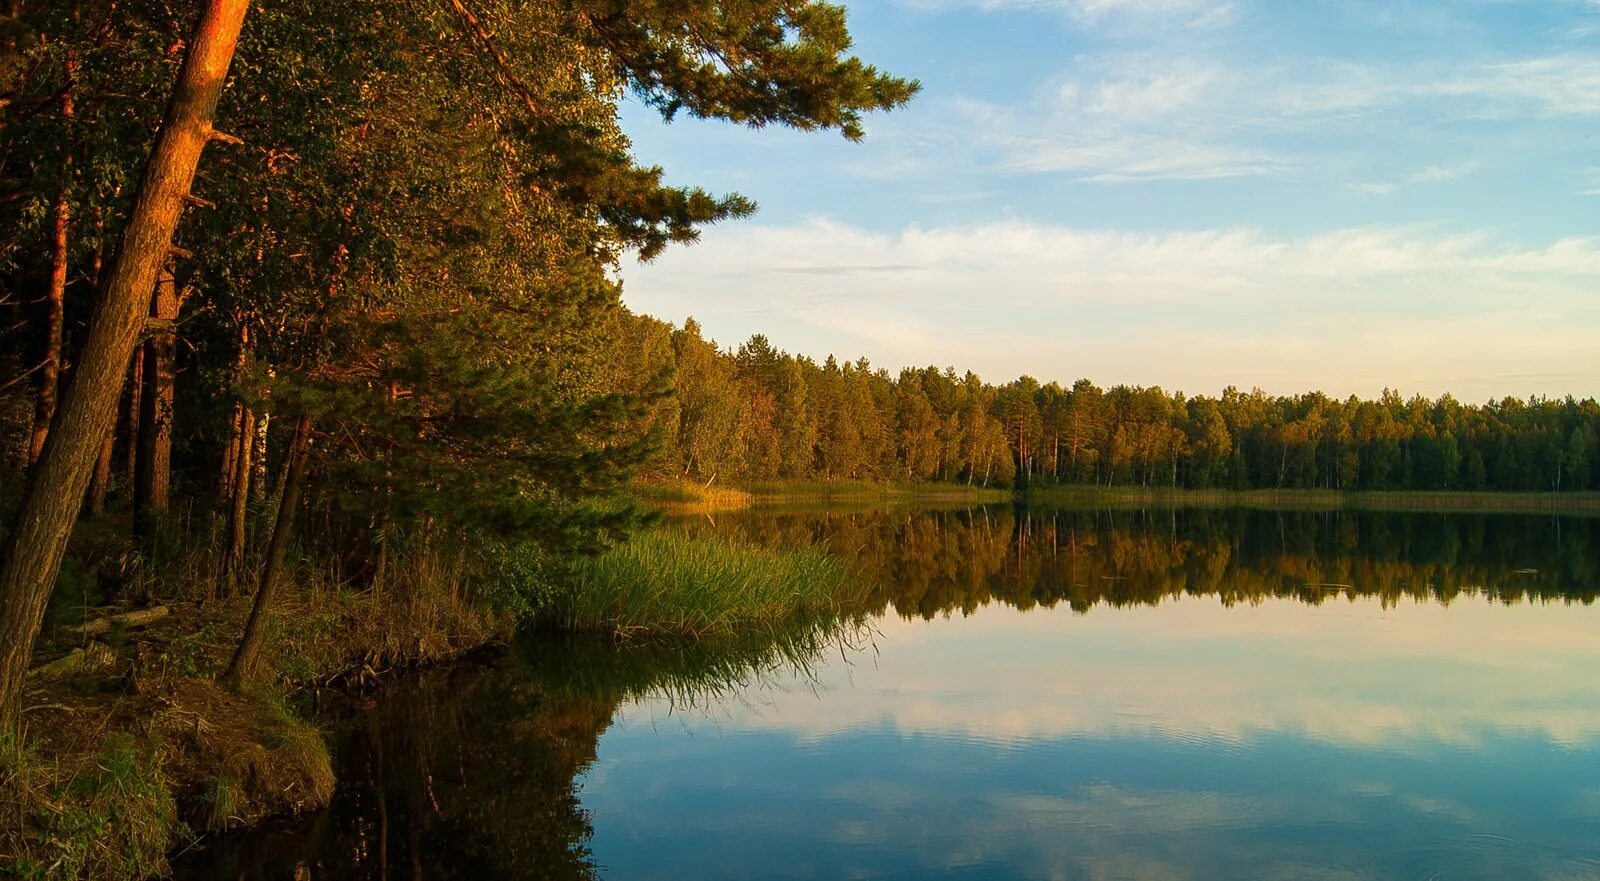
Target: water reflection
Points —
{"points": [[931, 563], [1189, 695]]}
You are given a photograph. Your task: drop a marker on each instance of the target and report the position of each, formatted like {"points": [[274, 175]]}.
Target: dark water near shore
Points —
{"points": [[1055, 695]]}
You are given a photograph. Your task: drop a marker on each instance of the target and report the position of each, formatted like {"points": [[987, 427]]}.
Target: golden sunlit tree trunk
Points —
{"points": [[55, 489], [55, 312]]}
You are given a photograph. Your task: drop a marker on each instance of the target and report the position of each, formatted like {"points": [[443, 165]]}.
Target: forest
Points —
{"points": [[326, 293], [313, 353], [756, 413], [309, 319]]}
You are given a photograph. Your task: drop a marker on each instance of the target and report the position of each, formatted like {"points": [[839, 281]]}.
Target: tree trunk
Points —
{"points": [[135, 405], [153, 475], [258, 459], [238, 510], [55, 295], [101, 479], [55, 311], [244, 659], [55, 489], [236, 434], [230, 456]]}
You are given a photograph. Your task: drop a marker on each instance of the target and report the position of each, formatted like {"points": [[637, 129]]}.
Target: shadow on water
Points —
{"points": [[469, 772]]}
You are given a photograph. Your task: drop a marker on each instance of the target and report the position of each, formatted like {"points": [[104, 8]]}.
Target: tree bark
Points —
{"points": [[258, 458], [55, 489], [230, 456], [135, 405], [152, 486], [100, 480], [243, 664], [237, 432], [55, 295], [238, 509], [55, 312]]}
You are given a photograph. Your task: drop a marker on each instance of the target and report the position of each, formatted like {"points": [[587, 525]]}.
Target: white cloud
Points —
{"points": [[1205, 13], [1377, 188], [1559, 85], [1131, 91], [1350, 310], [1141, 158], [1194, 669], [1440, 173]]}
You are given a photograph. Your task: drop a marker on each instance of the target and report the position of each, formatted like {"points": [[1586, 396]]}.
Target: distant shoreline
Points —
{"points": [[1437, 501], [680, 497]]}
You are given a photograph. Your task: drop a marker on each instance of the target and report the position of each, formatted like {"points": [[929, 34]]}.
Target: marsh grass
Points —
{"points": [[664, 583], [689, 673]]}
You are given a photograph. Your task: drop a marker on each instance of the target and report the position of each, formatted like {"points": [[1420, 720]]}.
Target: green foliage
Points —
{"points": [[525, 579], [416, 243], [756, 414]]}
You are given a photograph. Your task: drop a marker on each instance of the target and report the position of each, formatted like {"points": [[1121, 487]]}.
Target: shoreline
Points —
{"points": [[125, 760], [193, 759], [1419, 501], [684, 497]]}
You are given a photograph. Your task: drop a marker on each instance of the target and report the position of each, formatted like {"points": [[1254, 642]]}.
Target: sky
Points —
{"points": [[1342, 195]]}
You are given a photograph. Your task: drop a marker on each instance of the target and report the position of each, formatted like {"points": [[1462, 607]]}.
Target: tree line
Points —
{"points": [[757, 413], [386, 287]]}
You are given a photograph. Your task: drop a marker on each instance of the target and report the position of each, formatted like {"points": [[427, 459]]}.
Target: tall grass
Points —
{"points": [[664, 583]]}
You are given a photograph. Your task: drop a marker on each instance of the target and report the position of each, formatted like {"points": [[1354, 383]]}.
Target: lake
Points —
{"points": [[1050, 694]]}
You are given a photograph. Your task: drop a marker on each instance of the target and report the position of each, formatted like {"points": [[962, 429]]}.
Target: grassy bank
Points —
{"points": [[684, 497], [128, 747], [663, 583], [1319, 499]]}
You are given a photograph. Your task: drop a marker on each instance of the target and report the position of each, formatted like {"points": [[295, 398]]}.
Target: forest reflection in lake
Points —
{"points": [[1038, 694]]}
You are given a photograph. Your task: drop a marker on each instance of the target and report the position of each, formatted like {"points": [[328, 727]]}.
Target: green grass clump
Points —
{"points": [[114, 820], [664, 583]]}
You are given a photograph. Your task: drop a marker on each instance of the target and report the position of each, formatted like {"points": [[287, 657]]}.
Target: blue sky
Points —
{"points": [[1190, 193]]}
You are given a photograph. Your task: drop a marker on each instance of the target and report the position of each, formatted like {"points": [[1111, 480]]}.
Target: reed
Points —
{"points": [[664, 583]]}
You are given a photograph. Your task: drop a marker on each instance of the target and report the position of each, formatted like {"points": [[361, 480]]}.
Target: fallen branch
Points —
{"points": [[126, 619], [87, 661]]}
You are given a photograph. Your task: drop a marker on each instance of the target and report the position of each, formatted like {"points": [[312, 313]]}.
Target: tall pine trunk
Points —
{"points": [[100, 480], [55, 312], [55, 489], [56, 293], [238, 507], [258, 458], [152, 487], [243, 664], [236, 434]]}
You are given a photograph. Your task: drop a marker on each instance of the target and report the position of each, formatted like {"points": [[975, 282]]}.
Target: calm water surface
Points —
{"points": [[1055, 695]]}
